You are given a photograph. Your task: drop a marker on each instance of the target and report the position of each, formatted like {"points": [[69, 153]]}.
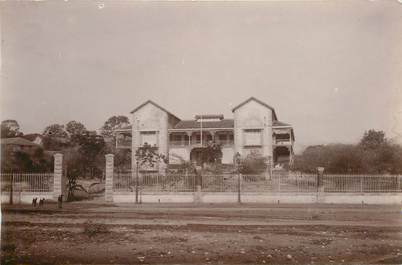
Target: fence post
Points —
{"points": [[11, 188], [239, 189], [361, 184], [109, 177], [279, 182], [58, 183], [137, 182]]}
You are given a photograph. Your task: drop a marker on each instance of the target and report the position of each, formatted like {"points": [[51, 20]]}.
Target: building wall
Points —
{"points": [[253, 115], [175, 153], [227, 155], [151, 118]]}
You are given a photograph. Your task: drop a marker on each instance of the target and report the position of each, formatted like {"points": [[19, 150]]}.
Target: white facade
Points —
{"points": [[255, 128]]}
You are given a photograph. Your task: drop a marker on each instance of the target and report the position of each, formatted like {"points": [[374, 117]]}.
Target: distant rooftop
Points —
{"points": [[17, 141]]}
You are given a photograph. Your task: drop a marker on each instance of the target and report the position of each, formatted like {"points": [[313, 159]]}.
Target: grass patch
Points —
{"points": [[91, 229]]}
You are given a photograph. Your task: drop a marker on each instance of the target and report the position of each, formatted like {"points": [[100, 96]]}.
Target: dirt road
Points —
{"points": [[201, 234]]}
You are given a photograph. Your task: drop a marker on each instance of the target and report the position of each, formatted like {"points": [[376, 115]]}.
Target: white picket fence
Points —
{"points": [[27, 182], [300, 183]]}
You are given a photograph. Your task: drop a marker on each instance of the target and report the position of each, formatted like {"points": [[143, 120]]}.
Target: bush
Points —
{"points": [[253, 164]]}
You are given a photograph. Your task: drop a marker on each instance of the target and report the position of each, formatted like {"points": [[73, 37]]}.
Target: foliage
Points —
{"points": [[10, 128], [55, 137], [114, 123], [253, 163], [85, 159], [335, 158], [20, 161], [75, 129], [122, 159], [55, 130], [147, 156], [212, 153], [373, 139], [374, 154]]}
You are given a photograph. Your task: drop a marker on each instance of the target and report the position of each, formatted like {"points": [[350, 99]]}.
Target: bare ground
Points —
{"points": [[83, 233]]}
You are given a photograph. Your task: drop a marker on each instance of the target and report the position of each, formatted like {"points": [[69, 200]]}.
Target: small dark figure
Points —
{"points": [[41, 202], [34, 200], [60, 201]]}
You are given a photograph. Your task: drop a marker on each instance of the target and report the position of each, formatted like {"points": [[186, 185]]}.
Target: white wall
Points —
{"points": [[175, 152], [256, 197], [227, 155], [152, 118], [253, 115]]}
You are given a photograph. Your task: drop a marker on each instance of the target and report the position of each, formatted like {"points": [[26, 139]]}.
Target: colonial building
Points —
{"points": [[254, 128]]}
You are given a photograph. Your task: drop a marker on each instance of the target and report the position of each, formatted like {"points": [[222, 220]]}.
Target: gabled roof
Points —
{"points": [[279, 123], [17, 141], [156, 105], [32, 136], [192, 124], [258, 101]]}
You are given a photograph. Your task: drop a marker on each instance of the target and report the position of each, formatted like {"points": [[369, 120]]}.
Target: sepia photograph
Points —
{"points": [[201, 132]]}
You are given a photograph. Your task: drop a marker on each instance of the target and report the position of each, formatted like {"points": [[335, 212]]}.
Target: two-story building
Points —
{"points": [[254, 128]]}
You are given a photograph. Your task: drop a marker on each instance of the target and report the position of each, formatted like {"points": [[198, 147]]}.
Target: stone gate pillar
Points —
{"points": [[109, 177], [59, 185]]}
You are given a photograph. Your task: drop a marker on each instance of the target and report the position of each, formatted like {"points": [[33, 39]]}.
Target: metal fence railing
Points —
{"points": [[279, 183], [154, 182], [27, 182], [362, 183], [289, 182]]}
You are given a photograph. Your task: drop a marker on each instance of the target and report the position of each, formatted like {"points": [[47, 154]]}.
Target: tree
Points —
{"points": [[335, 158], [10, 128], [91, 148], [212, 153], [55, 137], [122, 159], [21, 161], [374, 154], [74, 128], [114, 123], [55, 130], [146, 155], [373, 139], [85, 159]]}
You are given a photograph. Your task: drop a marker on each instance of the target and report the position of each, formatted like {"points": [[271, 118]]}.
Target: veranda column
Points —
{"points": [[58, 185], [109, 177]]}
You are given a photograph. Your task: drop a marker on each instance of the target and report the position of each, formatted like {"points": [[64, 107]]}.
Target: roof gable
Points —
{"points": [[17, 141], [156, 105], [32, 136], [258, 101]]}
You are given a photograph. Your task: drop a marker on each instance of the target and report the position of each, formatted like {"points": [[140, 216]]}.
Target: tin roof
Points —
{"points": [[192, 124], [156, 105], [258, 101]]}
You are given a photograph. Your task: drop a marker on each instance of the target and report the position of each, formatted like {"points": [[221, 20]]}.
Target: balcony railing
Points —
{"points": [[123, 143], [282, 142], [198, 143]]}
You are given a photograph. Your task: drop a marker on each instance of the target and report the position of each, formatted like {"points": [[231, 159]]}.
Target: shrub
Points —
{"points": [[253, 163]]}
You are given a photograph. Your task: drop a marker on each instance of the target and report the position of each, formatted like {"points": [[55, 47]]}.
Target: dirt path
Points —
{"points": [[203, 234]]}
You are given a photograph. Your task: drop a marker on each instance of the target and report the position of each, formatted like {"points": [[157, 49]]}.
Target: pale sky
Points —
{"points": [[331, 69]]}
